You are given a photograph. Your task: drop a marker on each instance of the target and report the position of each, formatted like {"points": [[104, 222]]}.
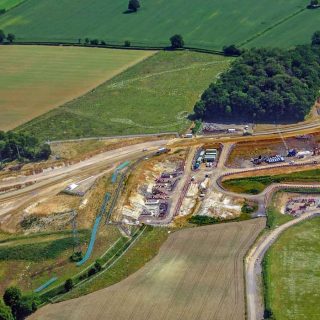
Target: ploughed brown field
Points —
{"points": [[198, 274]]}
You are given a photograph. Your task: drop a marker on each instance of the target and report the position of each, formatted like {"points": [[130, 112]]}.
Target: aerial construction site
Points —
{"points": [[97, 211]]}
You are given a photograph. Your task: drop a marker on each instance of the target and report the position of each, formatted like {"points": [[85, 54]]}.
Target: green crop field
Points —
{"points": [[8, 4], [35, 79], [30, 260], [203, 23], [153, 96], [292, 276], [255, 185]]}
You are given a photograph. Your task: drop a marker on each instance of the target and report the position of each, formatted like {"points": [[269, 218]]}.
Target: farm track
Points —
{"points": [[193, 276], [270, 28]]}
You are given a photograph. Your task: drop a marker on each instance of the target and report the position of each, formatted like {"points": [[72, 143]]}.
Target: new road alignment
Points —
{"points": [[253, 261], [52, 181]]}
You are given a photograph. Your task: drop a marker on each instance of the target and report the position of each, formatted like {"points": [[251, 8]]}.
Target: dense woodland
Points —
{"points": [[20, 146], [265, 85]]}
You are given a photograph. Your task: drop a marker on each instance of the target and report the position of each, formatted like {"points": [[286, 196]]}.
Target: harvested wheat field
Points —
{"points": [[36, 79], [198, 274]]}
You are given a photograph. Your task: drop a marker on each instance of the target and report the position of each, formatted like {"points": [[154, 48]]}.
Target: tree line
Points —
{"points": [[266, 85], [20, 146], [16, 306], [9, 37]]}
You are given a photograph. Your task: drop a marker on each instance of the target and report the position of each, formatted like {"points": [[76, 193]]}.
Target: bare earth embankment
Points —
{"points": [[198, 274]]}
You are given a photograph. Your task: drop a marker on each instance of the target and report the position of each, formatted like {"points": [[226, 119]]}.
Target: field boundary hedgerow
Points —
{"points": [[204, 24], [116, 46]]}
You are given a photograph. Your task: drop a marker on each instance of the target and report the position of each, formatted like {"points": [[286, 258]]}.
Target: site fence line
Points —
{"points": [[45, 285], [94, 231], [165, 47], [119, 168]]}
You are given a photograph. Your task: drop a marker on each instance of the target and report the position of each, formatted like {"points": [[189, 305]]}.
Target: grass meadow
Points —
{"points": [[35, 79], [291, 269], [153, 96], [31, 260], [203, 23], [8, 4], [146, 247], [255, 185]]}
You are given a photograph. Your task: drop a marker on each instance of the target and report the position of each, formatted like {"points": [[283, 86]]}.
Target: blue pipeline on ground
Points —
{"points": [[119, 168], [46, 285], [94, 231]]}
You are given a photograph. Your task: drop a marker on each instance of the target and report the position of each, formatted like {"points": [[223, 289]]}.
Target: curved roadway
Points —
{"points": [[253, 261]]}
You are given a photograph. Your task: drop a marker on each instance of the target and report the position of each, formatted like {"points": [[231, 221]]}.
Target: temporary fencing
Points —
{"points": [[46, 285], [95, 231], [119, 168]]}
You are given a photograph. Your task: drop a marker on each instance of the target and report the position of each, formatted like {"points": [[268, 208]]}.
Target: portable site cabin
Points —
{"points": [[210, 158], [211, 153], [211, 150]]}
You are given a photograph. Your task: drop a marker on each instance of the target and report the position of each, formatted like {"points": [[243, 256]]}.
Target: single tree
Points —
{"points": [[12, 296], [92, 271], [44, 152], [86, 40], [68, 285], [127, 43], [133, 5], [231, 50], [94, 42], [177, 41], [11, 37], [5, 312], [98, 265], [26, 306], [316, 38], [2, 36]]}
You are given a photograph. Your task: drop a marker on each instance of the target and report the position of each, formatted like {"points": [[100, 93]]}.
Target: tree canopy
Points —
{"points": [[177, 41], [265, 85], [20, 146], [316, 38], [21, 306], [11, 37], [2, 36], [5, 312], [133, 5], [231, 50], [68, 285]]}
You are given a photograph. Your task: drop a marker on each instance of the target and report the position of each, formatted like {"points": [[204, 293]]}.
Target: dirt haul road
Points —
{"points": [[56, 180], [253, 266], [197, 275], [111, 156]]}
